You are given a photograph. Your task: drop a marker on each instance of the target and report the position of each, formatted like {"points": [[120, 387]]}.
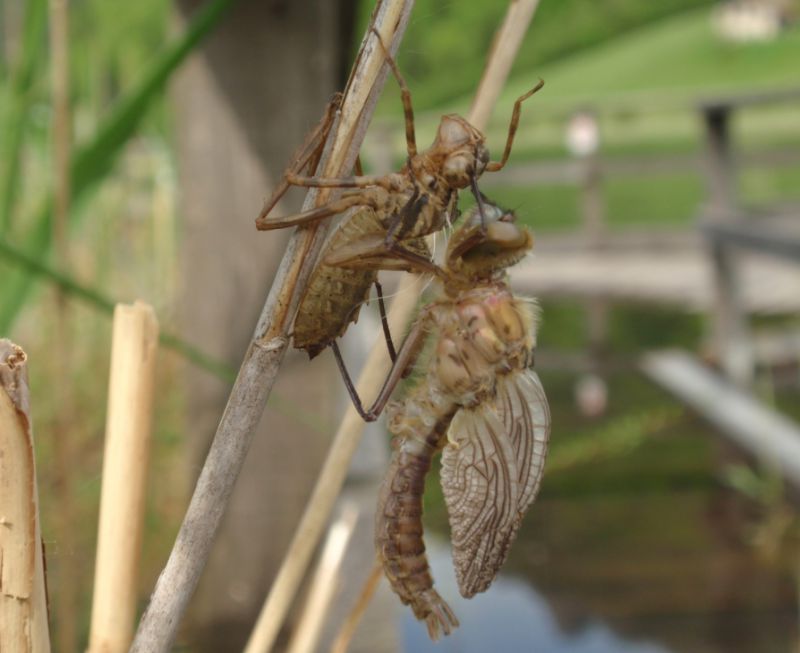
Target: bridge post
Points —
{"points": [[730, 331]]}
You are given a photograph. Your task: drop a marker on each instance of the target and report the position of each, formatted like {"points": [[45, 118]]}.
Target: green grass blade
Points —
{"points": [[95, 298], [17, 111], [93, 161], [35, 268]]}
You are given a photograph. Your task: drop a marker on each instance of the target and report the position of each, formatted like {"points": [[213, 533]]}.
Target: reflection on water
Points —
{"points": [[511, 618]]}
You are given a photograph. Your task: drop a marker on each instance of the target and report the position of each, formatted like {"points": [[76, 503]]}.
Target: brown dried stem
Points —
{"points": [[62, 429], [259, 369], [344, 445]]}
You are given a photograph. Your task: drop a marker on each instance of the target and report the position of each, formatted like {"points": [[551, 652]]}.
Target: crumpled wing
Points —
{"points": [[524, 411], [491, 471], [479, 480]]}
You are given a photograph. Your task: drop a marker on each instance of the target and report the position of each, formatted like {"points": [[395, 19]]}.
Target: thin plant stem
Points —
{"points": [[126, 457], [62, 431], [504, 50], [324, 583], [349, 627]]}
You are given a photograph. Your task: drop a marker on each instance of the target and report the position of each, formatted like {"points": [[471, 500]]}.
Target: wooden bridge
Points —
{"points": [[671, 268], [734, 264]]}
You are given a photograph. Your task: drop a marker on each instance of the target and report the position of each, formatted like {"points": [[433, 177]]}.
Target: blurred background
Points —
{"points": [[660, 171]]}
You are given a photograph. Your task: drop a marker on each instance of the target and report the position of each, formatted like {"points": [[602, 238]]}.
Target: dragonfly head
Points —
{"points": [[483, 252], [463, 151]]}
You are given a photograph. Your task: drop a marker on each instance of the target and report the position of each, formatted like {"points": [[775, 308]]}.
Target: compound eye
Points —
{"points": [[458, 170], [506, 235], [452, 133]]}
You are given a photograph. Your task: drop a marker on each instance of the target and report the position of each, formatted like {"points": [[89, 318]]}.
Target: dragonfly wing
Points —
{"points": [[479, 479], [523, 409]]}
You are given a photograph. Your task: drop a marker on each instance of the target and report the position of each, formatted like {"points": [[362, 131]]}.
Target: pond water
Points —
{"points": [[512, 618]]}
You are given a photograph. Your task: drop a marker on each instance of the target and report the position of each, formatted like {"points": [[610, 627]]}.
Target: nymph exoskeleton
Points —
{"points": [[386, 218], [481, 404]]}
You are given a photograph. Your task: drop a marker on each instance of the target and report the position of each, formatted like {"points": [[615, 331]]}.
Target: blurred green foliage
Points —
{"points": [[92, 160], [112, 43], [446, 43], [16, 100]]}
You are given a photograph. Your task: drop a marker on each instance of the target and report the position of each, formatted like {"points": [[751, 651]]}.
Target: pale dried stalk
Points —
{"points": [[259, 369], [345, 443], [62, 429], [504, 50], [23, 602], [134, 349], [350, 625], [323, 585]]}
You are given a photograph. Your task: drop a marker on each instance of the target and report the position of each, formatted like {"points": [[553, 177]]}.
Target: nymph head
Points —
{"points": [[463, 150]]}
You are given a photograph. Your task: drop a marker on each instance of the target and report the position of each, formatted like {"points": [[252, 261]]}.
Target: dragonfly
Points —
{"points": [[480, 403]]}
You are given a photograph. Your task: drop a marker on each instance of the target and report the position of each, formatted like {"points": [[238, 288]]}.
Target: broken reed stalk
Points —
{"points": [[23, 600], [178, 580], [334, 469], [324, 583], [134, 348]]}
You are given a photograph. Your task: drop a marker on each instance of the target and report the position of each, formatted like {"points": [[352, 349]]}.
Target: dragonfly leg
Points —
{"points": [[307, 156], [406, 357], [264, 223], [479, 200], [339, 182], [387, 334], [494, 166], [405, 94]]}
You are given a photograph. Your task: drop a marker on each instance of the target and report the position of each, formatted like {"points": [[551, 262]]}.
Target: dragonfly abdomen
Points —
{"points": [[399, 531]]}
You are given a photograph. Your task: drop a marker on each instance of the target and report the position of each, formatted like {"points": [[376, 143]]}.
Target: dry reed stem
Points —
{"points": [[134, 349], [259, 369], [62, 430], [350, 625], [501, 57], [23, 601], [324, 583], [334, 469]]}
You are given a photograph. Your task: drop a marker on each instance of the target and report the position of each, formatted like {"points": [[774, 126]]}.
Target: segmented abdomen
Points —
{"points": [[334, 295], [398, 530]]}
